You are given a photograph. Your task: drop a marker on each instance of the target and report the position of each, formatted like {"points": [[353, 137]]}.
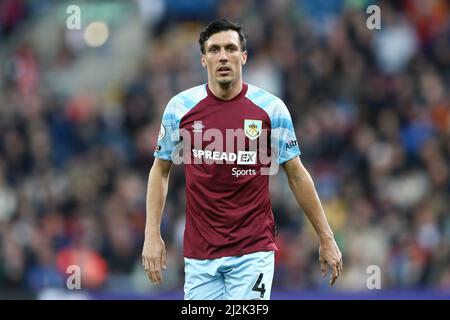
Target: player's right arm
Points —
{"points": [[154, 251]]}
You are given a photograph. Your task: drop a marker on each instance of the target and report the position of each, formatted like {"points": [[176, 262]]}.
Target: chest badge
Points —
{"points": [[252, 128]]}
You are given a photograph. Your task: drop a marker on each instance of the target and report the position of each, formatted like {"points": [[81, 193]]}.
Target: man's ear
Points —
{"points": [[244, 57], [202, 60]]}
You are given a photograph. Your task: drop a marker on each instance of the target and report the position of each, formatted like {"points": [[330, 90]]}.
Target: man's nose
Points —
{"points": [[223, 55]]}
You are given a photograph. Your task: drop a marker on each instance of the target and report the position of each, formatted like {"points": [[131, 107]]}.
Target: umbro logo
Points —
{"points": [[197, 126]]}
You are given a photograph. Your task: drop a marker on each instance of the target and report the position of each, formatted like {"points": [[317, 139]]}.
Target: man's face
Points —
{"points": [[223, 57]]}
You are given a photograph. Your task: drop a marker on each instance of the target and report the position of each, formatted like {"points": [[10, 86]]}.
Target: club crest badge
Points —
{"points": [[252, 128]]}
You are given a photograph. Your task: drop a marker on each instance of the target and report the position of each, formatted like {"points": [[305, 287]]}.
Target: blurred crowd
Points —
{"points": [[371, 110]]}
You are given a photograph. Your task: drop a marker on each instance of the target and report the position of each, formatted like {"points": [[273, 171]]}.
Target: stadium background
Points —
{"points": [[78, 126]]}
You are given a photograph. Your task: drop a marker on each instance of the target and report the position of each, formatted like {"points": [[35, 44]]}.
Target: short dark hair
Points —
{"points": [[222, 25]]}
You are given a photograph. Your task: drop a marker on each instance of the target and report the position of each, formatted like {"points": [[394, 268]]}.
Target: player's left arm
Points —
{"points": [[303, 188]]}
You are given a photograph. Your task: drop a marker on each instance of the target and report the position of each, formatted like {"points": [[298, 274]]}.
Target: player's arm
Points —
{"points": [[306, 195], [154, 252]]}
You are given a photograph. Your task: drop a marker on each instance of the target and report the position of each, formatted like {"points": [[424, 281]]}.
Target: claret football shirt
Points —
{"points": [[228, 149]]}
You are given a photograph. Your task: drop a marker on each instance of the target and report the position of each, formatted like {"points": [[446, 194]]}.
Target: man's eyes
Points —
{"points": [[229, 49]]}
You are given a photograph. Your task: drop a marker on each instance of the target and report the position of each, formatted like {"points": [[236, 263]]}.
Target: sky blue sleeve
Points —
{"points": [[284, 140], [168, 136]]}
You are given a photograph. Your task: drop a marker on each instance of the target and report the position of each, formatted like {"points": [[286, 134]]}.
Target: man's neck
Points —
{"points": [[226, 92]]}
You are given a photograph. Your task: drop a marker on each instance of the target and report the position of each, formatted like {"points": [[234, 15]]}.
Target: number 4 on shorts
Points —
{"points": [[257, 288]]}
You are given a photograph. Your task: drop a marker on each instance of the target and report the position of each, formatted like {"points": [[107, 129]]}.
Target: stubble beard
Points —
{"points": [[225, 83]]}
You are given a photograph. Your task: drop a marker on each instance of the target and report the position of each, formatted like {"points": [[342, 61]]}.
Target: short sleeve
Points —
{"points": [[168, 136], [284, 140]]}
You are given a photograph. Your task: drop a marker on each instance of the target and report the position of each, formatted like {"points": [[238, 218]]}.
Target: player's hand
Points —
{"points": [[154, 258], [330, 255]]}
